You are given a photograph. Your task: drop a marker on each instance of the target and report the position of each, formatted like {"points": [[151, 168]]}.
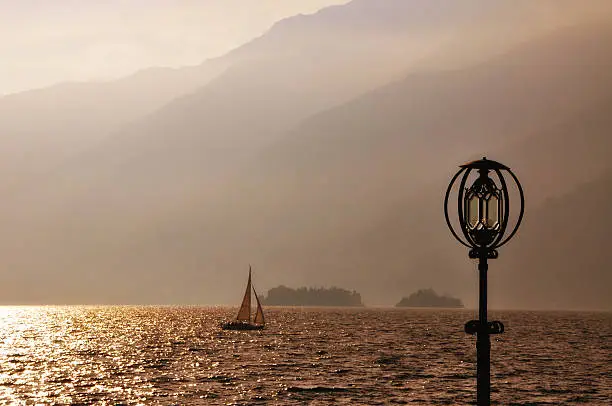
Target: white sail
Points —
{"points": [[244, 314], [259, 316]]}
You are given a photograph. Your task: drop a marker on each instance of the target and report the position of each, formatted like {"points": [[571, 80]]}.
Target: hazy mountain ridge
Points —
{"points": [[542, 161], [235, 112], [178, 204], [347, 165], [491, 105], [562, 258], [297, 46], [309, 60], [42, 128]]}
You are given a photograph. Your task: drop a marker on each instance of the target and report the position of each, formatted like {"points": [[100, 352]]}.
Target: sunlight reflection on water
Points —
{"points": [[143, 355]]}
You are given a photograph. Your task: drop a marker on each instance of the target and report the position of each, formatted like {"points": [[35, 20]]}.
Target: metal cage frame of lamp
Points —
{"points": [[481, 236]]}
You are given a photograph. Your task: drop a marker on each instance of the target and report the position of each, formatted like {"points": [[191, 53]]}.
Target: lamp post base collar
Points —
{"points": [[477, 253]]}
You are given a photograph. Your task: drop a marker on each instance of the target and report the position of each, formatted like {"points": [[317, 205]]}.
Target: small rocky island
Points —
{"points": [[429, 298], [284, 296]]}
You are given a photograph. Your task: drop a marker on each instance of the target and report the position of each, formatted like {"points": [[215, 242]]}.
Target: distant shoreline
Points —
{"points": [[312, 297], [428, 298]]}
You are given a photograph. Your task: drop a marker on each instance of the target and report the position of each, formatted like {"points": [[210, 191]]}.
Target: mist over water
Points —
{"points": [[179, 355]]}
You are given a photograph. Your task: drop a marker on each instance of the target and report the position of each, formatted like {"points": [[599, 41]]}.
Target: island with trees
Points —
{"points": [[429, 298], [284, 296]]}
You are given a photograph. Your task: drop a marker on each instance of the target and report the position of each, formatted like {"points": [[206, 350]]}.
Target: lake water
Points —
{"points": [[178, 355]]}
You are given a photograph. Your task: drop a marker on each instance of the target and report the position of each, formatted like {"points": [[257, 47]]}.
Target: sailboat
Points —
{"points": [[243, 320]]}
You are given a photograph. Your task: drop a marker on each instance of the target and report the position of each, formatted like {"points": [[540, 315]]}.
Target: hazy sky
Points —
{"points": [[43, 42]]}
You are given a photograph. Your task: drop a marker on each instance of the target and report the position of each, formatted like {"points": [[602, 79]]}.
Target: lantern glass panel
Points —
{"points": [[492, 219], [473, 210]]}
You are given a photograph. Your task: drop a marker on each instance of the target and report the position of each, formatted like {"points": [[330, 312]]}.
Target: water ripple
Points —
{"points": [[177, 355]]}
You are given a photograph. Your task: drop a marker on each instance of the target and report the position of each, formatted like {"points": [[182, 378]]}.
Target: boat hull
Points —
{"points": [[237, 325]]}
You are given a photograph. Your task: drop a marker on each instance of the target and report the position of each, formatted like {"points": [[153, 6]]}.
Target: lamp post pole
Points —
{"points": [[483, 211], [483, 329], [483, 340]]}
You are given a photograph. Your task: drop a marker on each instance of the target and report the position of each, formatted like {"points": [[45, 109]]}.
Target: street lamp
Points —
{"points": [[483, 210]]}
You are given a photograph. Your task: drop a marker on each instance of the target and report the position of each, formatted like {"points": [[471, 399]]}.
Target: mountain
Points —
{"points": [[304, 159], [359, 188], [42, 128], [561, 260], [304, 64], [342, 173]]}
